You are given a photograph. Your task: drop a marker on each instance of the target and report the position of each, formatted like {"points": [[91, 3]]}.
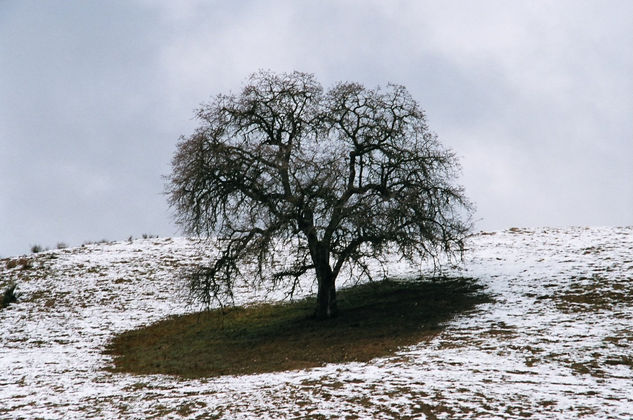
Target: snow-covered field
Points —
{"points": [[556, 343]]}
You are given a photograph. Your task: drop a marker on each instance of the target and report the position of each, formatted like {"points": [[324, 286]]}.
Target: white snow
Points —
{"points": [[556, 342]]}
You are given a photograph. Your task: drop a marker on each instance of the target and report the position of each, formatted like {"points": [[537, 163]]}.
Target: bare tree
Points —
{"points": [[336, 178]]}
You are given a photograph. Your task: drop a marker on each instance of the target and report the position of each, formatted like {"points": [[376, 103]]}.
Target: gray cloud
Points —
{"points": [[534, 96]]}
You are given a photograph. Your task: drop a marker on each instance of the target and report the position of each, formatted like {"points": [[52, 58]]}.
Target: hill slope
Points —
{"points": [[557, 342]]}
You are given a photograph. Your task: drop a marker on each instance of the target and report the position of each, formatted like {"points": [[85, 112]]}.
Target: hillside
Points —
{"points": [[556, 343]]}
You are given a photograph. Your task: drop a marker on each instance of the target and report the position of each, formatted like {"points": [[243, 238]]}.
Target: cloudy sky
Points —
{"points": [[535, 98]]}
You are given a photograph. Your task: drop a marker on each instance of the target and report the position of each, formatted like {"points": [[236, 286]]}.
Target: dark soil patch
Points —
{"points": [[375, 320]]}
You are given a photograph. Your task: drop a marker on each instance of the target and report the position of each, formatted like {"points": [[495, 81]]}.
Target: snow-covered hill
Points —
{"points": [[556, 343]]}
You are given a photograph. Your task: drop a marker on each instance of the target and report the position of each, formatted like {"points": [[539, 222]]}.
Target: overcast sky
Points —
{"points": [[534, 96]]}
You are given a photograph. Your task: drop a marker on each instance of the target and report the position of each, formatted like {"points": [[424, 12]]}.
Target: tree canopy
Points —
{"points": [[333, 178]]}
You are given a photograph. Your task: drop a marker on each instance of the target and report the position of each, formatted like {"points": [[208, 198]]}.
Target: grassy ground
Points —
{"points": [[375, 320]]}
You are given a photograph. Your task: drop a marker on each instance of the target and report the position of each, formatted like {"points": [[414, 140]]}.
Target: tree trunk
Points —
{"points": [[320, 253], [326, 297]]}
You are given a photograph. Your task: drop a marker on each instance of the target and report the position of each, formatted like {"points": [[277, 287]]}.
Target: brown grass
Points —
{"points": [[375, 320]]}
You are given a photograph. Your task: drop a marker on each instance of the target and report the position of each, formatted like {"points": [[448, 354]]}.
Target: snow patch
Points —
{"points": [[556, 343]]}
